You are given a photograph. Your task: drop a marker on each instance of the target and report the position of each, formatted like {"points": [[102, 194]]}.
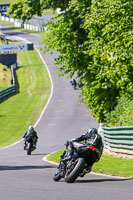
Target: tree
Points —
{"points": [[22, 9], [25, 9], [94, 41], [110, 48], [67, 36]]}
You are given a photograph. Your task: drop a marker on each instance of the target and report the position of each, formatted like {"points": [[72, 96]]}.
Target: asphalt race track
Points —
{"points": [[25, 177]]}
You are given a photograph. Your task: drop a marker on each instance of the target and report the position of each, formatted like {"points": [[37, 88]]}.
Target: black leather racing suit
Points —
{"points": [[32, 134], [92, 140], [88, 139]]}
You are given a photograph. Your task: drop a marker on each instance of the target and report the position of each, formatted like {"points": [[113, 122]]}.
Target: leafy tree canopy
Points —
{"points": [[110, 48], [94, 40], [25, 9]]}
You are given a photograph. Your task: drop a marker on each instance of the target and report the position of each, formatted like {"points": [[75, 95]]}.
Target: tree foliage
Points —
{"points": [[94, 40], [110, 48], [122, 115], [68, 36], [25, 9]]}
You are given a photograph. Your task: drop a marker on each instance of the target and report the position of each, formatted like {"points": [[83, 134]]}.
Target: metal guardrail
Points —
{"points": [[4, 94], [118, 139], [7, 92], [27, 25]]}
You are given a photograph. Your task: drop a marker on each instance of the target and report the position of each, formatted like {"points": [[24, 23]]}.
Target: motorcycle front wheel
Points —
{"points": [[29, 148], [57, 177], [75, 170]]}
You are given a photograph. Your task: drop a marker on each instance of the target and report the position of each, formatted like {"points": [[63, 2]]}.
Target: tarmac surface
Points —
{"points": [[25, 177]]}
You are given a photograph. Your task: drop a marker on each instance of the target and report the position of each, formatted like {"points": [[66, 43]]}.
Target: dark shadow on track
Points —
{"points": [[39, 154], [103, 180], [13, 33], [5, 168], [97, 180]]}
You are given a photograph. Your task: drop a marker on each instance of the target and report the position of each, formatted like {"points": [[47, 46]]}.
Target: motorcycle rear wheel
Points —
{"points": [[73, 173]]}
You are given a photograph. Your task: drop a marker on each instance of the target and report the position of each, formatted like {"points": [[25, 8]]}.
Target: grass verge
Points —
{"points": [[24, 108], [5, 77], [107, 165]]}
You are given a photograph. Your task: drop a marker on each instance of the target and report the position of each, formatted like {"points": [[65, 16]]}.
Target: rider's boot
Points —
{"points": [[25, 144], [86, 170]]}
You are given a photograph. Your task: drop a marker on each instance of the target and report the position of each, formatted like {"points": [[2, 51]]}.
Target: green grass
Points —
{"points": [[5, 22], [49, 12], [114, 166], [107, 165], [24, 108], [55, 157], [6, 1], [5, 77]]}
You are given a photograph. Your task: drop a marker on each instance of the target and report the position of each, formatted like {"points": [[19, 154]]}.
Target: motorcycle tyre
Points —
{"points": [[57, 177], [76, 171], [29, 148]]}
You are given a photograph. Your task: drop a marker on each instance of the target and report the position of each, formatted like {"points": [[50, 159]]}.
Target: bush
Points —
{"points": [[122, 115], [109, 46]]}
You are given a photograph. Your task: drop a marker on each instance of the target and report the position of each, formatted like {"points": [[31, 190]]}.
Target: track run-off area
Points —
{"points": [[25, 177]]}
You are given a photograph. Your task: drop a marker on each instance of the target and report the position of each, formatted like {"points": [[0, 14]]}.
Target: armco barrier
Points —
{"points": [[118, 139], [18, 23], [4, 94], [7, 92]]}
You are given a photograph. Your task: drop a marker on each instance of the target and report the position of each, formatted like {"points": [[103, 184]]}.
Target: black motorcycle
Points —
{"points": [[79, 164], [29, 146], [73, 83]]}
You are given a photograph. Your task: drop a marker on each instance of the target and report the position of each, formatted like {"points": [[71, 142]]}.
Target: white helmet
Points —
{"points": [[92, 131], [30, 129]]}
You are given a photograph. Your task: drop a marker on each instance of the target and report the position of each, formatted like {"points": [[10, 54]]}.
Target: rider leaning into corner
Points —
{"points": [[92, 139], [32, 134]]}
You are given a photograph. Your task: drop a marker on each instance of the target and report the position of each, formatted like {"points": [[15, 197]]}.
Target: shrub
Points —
{"points": [[122, 115]]}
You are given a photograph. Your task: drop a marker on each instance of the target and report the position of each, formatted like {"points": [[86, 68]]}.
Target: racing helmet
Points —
{"points": [[30, 129], [92, 131]]}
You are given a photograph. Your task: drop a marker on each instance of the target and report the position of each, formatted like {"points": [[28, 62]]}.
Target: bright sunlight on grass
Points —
{"points": [[5, 77], [107, 164], [24, 108]]}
